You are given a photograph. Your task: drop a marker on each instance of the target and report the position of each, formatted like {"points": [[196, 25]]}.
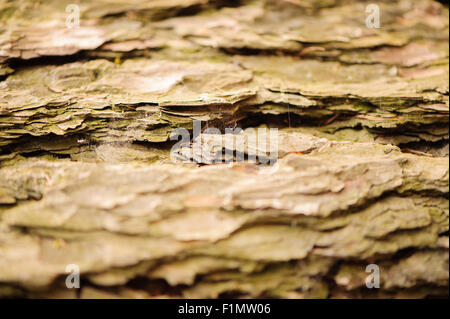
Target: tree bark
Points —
{"points": [[358, 177]]}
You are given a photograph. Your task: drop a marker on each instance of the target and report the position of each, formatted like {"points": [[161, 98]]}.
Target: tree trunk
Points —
{"points": [[338, 186]]}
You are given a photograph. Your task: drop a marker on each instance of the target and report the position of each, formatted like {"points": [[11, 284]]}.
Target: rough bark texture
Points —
{"points": [[361, 176]]}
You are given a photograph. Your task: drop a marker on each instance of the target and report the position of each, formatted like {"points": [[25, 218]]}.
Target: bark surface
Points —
{"points": [[361, 175]]}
